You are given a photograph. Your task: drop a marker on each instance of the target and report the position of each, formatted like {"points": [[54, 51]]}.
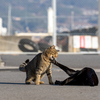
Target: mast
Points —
{"points": [[9, 20], [54, 22]]}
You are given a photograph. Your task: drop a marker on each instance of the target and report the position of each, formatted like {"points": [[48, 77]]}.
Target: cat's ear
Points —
{"points": [[52, 47]]}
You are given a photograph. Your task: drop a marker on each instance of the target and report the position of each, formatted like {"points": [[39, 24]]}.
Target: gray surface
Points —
{"points": [[12, 87], [71, 60]]}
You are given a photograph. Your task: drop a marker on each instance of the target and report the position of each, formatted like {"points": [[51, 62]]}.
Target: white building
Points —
{"points": [[3, 30]]}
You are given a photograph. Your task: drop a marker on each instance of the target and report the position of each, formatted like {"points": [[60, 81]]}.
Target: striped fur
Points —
{"points": [[39, 65]]}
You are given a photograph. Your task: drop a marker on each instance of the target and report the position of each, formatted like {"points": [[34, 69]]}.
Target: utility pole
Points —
{"points": [[54, 22], [99, 18], [9, 20], [72, 20], [50, 21]]}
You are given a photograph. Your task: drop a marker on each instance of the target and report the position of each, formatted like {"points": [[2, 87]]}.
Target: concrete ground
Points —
{"points": [[13, 87]]}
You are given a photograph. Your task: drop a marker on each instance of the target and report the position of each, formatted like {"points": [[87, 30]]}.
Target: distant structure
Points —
{"points": [[99, 19], [50, 20], [86, 31], [72, 20], [50, 27], [9, 21], [3, 30]]}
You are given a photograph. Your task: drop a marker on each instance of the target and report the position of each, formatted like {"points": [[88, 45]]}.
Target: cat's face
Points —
{"points": [[51, 52]]}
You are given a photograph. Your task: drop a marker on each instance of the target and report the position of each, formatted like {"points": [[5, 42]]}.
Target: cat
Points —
{"points": [[39, 65]]}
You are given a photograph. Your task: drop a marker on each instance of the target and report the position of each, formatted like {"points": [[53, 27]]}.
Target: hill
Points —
{"points": [[30, 12]]}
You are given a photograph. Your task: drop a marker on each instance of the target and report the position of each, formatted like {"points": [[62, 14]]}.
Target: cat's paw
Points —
{"points": [[51, 83], [37, 83], [41, 82], [28, 83]]}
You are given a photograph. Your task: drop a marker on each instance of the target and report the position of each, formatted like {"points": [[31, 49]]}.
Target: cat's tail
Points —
{"points": [[22, 66]]}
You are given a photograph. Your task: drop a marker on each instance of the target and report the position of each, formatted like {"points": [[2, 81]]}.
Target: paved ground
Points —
{"points": [[71, 60], [13, 87]]}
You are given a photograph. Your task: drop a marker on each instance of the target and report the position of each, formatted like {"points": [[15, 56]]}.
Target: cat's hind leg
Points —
{"points": [[28, 80], [29, 77]]}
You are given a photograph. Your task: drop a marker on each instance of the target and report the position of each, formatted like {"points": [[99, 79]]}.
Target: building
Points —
{"points": [[3, 30], [86, 31]]}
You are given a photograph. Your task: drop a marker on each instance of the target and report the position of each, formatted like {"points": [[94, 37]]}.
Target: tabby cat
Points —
{"points": [[39, 65]]}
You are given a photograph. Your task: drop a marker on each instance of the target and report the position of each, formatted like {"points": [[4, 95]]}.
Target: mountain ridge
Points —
{"points": [[34, 8]]}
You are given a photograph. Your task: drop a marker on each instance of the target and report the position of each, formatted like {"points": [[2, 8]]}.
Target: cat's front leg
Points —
{"points": [[50, 78], [37, 81], [49, 74]]}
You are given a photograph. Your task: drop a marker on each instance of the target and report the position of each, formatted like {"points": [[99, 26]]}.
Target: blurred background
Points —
{"points": [[28, 26]]}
